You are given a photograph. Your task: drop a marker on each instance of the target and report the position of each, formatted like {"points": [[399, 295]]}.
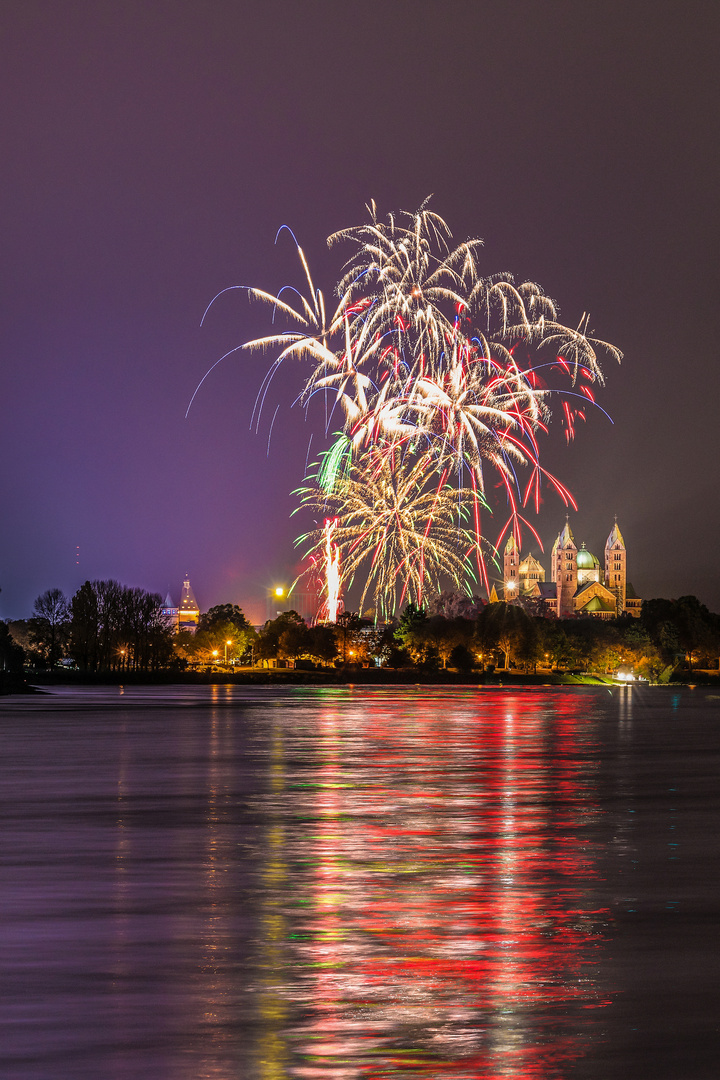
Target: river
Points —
{"points": [[355, 883]]}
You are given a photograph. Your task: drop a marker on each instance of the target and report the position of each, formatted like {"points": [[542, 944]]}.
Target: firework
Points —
{"points": [[400, 526], [439, 374], [332, 570]]}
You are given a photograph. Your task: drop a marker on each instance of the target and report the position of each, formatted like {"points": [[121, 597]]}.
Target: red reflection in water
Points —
{"points": [[442, 923]]}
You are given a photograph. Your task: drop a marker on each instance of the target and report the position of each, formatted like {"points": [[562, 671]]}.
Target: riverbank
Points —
{"points": [[12, 683], [331, 677]]}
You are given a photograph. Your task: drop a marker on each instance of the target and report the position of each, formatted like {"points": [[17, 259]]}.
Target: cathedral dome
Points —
{"points": [[586, 560]]}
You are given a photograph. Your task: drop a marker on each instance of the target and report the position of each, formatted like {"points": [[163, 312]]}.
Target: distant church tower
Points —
{"points": [[564, 571], [188, 612], [511, 568], [616, 567]]}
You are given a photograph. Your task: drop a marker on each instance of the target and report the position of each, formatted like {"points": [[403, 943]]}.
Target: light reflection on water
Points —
{"points": [[336, 883], [441, 918]]}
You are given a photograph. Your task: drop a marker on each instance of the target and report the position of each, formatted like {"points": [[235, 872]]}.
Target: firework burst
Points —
{"points": [[439, 373], [400, 526]]}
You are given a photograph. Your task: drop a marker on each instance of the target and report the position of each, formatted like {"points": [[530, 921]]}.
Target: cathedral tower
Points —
{"points": [[616, 567], [564, 571]]}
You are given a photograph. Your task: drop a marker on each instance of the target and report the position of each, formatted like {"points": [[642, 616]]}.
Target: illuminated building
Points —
{"points": [[170, 614], [188, 612], [578, 585]]}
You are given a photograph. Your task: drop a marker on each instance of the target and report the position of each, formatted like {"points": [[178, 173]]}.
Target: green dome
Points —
{"points": [[586, 560]]}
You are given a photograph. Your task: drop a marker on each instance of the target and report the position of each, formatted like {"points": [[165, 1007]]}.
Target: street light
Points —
{"points": [[226, 648]]}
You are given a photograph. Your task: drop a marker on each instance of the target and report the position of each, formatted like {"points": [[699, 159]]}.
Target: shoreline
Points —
{"points": [[338, 677]]}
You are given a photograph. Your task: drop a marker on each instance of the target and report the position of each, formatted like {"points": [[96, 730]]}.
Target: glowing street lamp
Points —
{"points": [[226, 649]]}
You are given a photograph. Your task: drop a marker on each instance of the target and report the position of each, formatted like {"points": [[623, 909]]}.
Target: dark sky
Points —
{"points": [[150, 150]]}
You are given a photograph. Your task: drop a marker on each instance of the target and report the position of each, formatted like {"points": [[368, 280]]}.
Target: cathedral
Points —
{"points": [[579, 586]]}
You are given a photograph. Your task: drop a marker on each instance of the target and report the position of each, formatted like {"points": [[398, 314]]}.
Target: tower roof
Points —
{"points": [[547, 590], [565, 539], [529, 564], [615, 538], [187, 600], [511, 547]]}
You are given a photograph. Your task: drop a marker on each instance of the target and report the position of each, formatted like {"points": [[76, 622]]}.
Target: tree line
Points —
{"points": [[669, 635], [464, 634], [110, 627], [105, 626]]}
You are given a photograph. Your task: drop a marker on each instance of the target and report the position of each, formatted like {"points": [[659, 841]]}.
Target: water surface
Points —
{"points": [[360, 883]]}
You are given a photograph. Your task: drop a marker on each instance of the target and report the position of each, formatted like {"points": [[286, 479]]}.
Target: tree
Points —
{"points": [[638, 650], [268, 643], [452, 604], [221, 631], [20, 630], [535, 606], [597, 645], [382, 646], [554, 643], [347, 635], [528, 651], [209, 645], [412, 633], [12, 655], [147, 638], [505, 627], [115, 627], [682, 628], [445, 635], [85, 627], [50, 625], [293, 641], [583, 636], [221, 615], [462, 659], [322, 643]]}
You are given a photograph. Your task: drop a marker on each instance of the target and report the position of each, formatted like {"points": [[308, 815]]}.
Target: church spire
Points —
{"points": [[615, 539], [188, 611], [616, 567]]}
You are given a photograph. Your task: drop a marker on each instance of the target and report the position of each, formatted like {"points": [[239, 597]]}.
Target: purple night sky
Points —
{"points": [[151, 150]]}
